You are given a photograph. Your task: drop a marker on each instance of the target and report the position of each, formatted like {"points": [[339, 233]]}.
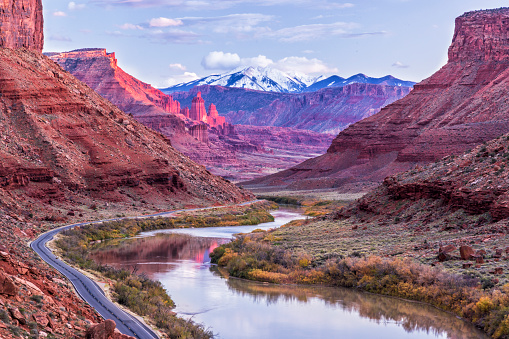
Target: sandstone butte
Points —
{"points": [[66, 152], [457, 108], [203, 135]]}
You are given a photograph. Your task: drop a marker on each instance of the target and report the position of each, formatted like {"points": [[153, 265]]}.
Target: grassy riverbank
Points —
{"points": [[376, 256], [139, 294]]}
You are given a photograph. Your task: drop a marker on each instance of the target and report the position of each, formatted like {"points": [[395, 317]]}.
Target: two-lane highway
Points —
{"points": [[88, 289]]}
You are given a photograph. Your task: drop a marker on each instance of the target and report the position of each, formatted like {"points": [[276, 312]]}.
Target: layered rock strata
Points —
{"points": [[60, 138], [461, 105], [328, 110]]}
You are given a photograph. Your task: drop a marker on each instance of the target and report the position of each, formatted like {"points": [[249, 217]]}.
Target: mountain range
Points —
{"points": [[268, 79]]}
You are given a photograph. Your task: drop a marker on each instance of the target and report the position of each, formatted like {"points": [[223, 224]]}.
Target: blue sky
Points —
{"points": [[164, 42]]}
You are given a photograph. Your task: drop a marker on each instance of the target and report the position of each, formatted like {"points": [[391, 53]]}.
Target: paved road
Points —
{"points": [[88, 289]]}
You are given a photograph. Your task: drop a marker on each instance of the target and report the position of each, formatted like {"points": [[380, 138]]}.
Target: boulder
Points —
{"points": [[16, 314], [466, 252], [7, 287]]}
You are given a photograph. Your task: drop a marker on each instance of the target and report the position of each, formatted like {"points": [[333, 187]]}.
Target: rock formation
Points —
{"points": [[21, 24], [198, 112], [213, 118], [328, 110], [61, 139], [457, 108], [206, 138], [99, 70]]}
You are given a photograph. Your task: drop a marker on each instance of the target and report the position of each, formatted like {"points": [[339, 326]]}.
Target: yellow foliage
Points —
{"points": [[484, 305], [272, 277]]}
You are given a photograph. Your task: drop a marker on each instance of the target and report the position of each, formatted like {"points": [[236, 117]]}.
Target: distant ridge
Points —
{"points": [[268, 79]]}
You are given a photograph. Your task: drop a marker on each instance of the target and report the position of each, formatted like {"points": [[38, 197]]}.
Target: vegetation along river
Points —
{"points": [[235, 308]]}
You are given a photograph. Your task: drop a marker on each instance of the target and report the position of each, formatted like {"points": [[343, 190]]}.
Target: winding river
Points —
{"points": [[235, 308]]}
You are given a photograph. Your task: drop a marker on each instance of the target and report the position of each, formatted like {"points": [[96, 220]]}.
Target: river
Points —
{"points": [[235, 308]]}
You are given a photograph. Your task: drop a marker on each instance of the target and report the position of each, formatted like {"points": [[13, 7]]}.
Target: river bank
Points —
{"points": [[143, 296]]}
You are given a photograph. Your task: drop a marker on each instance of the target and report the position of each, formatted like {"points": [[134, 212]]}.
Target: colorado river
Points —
{"points": [[235, 308]]}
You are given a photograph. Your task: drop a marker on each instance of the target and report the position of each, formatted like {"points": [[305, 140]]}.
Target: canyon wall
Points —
{"points": [[329, 110], [21, 24], [460, 106]]}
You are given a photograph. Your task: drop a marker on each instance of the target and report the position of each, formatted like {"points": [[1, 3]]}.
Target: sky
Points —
{"points": [[165, 42]]}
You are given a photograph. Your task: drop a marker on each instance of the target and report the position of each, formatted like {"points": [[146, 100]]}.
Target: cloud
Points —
{"points": [[220, 60], [59, 13], [175, 36], [222, 4], [127, 26], [165, 22], [303, 65], [399, 64], [72, 6], [58, 37], [317, 31], [236, 23], [259, 61], [227, 61], [178, 66], [181, 78]]}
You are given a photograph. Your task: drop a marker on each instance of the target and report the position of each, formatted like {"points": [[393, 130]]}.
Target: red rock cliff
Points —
{"points": [[461, 105], [99, 70], [61, 139], [21, 24]]}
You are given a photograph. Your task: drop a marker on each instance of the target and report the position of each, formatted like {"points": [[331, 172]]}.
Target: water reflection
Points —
{"points": [[235, 308]]}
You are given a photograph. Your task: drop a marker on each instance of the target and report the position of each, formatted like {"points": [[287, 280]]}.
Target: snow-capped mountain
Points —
{"points": [[272, 80], [258, 78]]}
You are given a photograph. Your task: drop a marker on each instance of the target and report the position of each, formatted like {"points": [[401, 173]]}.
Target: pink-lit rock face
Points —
{"points": [[198, 112], [213, 118], [99, 70], [21, 24], [460, 106]]}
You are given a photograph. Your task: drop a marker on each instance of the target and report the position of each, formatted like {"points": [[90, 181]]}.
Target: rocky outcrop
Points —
{"points": [[204, 137], [213, 118], [61, 139], [328, 110], [105, 330], [21, 24], [99, 70], [457, 108], [7, 286], [198, 112], [199, 132]]}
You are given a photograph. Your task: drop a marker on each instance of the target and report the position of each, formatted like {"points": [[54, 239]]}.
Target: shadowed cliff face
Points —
{"points": [[21, 24], [460, 106]]}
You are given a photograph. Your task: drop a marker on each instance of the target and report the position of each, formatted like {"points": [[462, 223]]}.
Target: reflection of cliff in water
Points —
{"points": [[409, 315], [159, 251]]}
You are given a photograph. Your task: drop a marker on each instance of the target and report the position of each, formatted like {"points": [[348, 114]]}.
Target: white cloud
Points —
{"points": [[178, 66], [175, 36], [181, 78], [220, 60], [399, 64], [227, 61], [259, 61], [303, 65], [317, 31], [59, 13], [165, 22], [75, 7], [130, 26], [236, 23]]}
